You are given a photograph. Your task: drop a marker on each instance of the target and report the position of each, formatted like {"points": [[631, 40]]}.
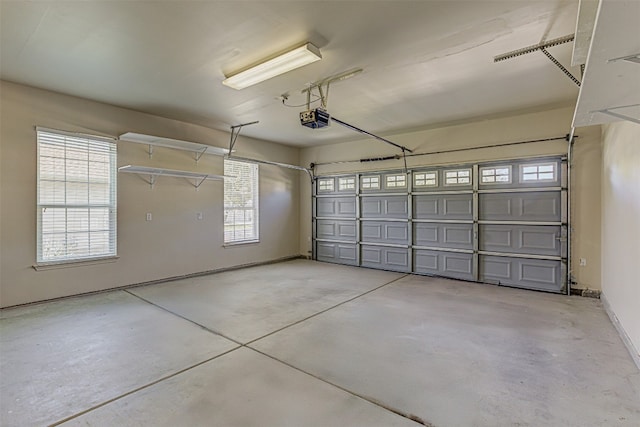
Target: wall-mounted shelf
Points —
{"points": [[154, 173], [158, 141]]}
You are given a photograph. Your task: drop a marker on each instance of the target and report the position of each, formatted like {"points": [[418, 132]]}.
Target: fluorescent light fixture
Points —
{"points": [[281, 64]]}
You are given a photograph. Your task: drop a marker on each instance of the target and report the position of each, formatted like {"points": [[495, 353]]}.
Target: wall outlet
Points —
{"points": [[149, 216], [583, 262], [199, 215]]}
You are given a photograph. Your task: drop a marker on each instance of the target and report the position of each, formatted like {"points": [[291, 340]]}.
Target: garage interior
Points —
{"points": [[436, 222]]}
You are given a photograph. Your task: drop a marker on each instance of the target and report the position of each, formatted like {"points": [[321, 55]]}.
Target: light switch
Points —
{"points": [[149, 216], [198, 215]]}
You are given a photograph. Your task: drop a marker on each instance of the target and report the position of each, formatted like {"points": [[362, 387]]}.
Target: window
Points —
{"points": [[495, 175], [457, 177], [346, 184], [425, 179], [370, 182], [396, 181], [240, 202], [538, 172], [325, 185], [76, 197]]}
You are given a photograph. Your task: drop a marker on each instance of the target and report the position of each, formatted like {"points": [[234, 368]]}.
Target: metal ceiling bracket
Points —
{"points": [[560, 66], [533, 48], [543, 48], [235, 131], [608, 112], [635, 58], [324, 93]]}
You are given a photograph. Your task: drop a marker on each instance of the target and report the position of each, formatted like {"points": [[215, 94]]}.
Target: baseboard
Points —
{"points": [[635, 355], [163, 280]]}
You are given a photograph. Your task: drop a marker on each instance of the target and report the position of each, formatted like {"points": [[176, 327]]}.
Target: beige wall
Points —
{"points": [[621, 227], [547, 124], [174, 243]]}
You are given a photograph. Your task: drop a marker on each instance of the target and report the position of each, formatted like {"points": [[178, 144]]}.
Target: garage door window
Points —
{"points": [[425, 179], [370, 182], [538, 172], [396, 181], [457, 177], [496, 175], [76, 217], [325, 185], [345, 184]]}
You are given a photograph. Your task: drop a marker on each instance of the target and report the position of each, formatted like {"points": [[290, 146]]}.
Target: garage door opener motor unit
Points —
{"points": [[314, 119]]}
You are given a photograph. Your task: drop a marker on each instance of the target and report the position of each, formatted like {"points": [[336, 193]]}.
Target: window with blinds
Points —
{"points": [[76, 197], [240, 202]]}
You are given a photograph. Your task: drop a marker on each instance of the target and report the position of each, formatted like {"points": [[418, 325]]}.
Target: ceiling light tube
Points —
{"points": [[281, 64]]}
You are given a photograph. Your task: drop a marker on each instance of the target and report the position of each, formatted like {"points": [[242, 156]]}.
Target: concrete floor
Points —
{"points": [[311, 344]]}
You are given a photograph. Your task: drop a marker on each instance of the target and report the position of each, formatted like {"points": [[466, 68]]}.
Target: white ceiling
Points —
{"points": [[425, 62]]}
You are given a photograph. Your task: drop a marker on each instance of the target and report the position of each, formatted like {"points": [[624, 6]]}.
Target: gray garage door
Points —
{"points": [[502, 223]]}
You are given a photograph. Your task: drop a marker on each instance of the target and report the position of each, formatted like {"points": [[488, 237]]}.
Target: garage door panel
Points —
{"points": [[425, 261], [425, 207], [426, 234], [385, 207], [522, 272], [443, 235], [385, 258], [460, 206], [443, 206], [339, 253], [440, 263], [528, 206], [385, 232], [336, 207], [333, 229], [521, 239]]}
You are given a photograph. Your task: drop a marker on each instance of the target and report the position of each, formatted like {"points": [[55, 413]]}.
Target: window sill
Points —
{"points": [[76, 263], [244, 242]]}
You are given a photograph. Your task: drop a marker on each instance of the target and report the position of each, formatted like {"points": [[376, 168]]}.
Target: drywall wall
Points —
{"points": [[174, 243], [532, 126], [621, 227]]}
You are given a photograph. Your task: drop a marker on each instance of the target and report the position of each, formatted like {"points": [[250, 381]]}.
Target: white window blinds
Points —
{"points": [[240, 202], [76, 197]]}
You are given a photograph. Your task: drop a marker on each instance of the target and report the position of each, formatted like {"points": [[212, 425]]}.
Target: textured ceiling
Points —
{"points": [[425, 62]]}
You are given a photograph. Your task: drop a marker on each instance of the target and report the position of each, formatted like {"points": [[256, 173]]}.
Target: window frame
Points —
{"points": [[537, 173], [254, 208], [495, 175], [435, 179], [322, 181], [457, 171], [105, 146], [370, 182], [396, 180], [347, 183]]}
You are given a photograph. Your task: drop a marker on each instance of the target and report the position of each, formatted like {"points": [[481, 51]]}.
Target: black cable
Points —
{"points": [[301, 105]]}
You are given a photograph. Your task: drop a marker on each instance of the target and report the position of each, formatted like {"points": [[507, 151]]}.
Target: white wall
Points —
{"points": [[621, 227], [174, 243], [546, 124]]}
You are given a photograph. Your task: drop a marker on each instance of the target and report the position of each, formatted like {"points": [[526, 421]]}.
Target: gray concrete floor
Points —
{"points": [[311, 344]]}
